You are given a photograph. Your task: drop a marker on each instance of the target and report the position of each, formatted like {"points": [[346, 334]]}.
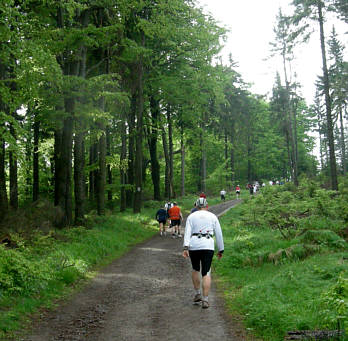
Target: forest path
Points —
{"points": [[146, 295]]}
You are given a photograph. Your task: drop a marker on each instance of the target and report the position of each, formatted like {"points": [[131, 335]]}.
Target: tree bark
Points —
{"points": [[3, 192], [13, 165], [232, 156], [36, 174], [123, 157], [139, 137], [343, 144], [166, 158], [108, 167], [93, 173], [203, 163], [330, 134], [249, 158], [101, 173], [79, 176], [64, 167], [226, 154], [182, 145], [131, 152], [152, 140], [170, 153]]}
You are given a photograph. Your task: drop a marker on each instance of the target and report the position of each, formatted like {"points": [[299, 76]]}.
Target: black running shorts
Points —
{"points": [[175, 222], [203, 257]]}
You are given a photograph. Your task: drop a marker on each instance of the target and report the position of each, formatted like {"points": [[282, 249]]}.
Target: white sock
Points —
{"points": [[205, 298], [198, 291]]}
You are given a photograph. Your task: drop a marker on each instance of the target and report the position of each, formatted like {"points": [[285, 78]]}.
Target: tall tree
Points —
{"points": [[338, 73], [314, 10]]}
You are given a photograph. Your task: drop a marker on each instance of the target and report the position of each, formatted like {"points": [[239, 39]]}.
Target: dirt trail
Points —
{"points": [[144, 296]]}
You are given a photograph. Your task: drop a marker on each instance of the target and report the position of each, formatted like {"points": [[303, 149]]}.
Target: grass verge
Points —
{"points": [[278, 284]]}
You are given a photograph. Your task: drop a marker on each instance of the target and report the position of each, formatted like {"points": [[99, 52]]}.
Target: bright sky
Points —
{"points": [[251, 25]]}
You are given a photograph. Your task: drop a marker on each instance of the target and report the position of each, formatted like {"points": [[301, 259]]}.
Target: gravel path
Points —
{"points": [[144, 296]]}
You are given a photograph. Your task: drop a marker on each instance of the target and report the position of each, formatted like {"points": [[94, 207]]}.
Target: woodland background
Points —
{"points": [[105, 104]]}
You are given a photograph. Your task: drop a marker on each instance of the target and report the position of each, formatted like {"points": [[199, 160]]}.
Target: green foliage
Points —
{"points": [[280, 284], [335, 304], [44, 266]]}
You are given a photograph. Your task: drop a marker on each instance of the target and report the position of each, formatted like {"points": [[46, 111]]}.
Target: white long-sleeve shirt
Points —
{"points": [[203, 221]]}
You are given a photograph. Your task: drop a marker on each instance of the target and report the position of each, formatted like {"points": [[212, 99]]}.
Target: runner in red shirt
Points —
{"points": [[175, 217], [237, 191]]}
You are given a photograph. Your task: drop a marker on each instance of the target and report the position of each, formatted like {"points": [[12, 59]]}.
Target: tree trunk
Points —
{"points": [[290, 127], [123, 156], [203, 162], [343, 144], [79, 176], [36, 174], [79, 143], [63, 168], [249, 159], [166, 158], [153, 136], [288, 148], [131, 149], [170, 151], [28, 160], [139, 137], [3, 192], [101, 173], [232, 159], [226, 154], [108, 170], [13, 165], [182, 145], [331, 140], [93, 173]]}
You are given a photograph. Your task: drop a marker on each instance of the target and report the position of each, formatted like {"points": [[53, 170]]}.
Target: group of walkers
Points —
{"points": [[201, 226], [171, 214]]}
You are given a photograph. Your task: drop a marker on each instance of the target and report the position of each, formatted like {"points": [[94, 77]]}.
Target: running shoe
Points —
{"points": [[197, 298], [205, 304]]}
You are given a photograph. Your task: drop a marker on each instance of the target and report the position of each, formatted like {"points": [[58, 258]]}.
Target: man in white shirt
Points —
{"points": [[222, 194], [200, 228]]}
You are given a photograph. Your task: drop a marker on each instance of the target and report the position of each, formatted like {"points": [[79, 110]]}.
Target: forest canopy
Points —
{"points": [[105, 104]]}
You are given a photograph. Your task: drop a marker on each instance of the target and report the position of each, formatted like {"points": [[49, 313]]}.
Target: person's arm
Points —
{"points": [[187, 238], [219, 238]]}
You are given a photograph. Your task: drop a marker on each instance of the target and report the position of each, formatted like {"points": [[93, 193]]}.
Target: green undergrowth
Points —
{"points": [[285, 265], [43, 267], [50, 266]]}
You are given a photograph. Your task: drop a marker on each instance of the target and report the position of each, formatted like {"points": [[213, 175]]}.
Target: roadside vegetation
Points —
{"points": [[285, 267], [40, 267]]}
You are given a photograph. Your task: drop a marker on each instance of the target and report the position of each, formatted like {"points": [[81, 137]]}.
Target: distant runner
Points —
{"points": [[161, 217], [175, 217], [200, 228], [237, 191], [222, 194]]}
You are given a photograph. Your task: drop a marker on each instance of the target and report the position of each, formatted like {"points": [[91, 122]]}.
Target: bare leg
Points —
{"points": [[206, 282], [196, 279]]}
